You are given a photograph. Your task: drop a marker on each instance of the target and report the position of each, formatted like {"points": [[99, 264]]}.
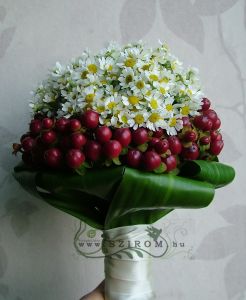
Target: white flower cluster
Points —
{"points": [[131, 86]]}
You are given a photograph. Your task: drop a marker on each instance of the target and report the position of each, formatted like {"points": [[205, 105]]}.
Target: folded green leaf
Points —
{"points": [[213, 172], [119, 196]]}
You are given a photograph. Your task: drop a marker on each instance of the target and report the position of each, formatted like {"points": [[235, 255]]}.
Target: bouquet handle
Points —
{"points": [[127, 264]]}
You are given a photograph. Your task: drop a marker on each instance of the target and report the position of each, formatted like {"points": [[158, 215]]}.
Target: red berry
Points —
{"points": [[90, 119], [191, 152], [75, 158], [211, 114], [203, 122], [53, 157], [112, 149], [205, 140], [174, 145], [205, 104], [215, 136], [140, 136], [78, 140], [170, 162], [153, 141], [62, 124], [186, 121], [190, 136], [216, 147], [162, 146], [75, 125], [28, 143], [47, 123], [158, 133], [103, 134], [93, 150], [123, 135], [35, 126], [24, 136], [48, 137], [151, 160], [216, 124], [133, 158]]}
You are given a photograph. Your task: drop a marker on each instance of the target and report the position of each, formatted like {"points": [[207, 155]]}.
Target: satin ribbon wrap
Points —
{"points": [[127, 274]]}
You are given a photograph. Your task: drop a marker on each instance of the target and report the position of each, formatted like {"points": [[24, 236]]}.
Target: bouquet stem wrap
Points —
{"points": [[127, 263]]}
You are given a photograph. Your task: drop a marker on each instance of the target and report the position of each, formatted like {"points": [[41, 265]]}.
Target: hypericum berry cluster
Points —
{"points": [[81, 141]]}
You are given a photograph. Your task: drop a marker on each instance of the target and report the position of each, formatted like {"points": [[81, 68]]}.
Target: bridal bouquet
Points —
{"points": [[119, 139]]}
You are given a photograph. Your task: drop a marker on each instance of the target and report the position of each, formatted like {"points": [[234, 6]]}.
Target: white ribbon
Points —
{"points": [[127, 263]]}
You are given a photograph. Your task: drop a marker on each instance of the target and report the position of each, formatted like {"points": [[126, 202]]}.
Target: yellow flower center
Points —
{"points": [[153, 104], [162, 90], [111, 105], [110, 68], [139, 119], [129, 78], [133, 100], [92, 68], [84, 74], [145, 67], [100, 109], [185, 110], [154, 117], [164, 79], [89, 97], [70, 109], [172, 122], [169, 107], [140, 84], [130, 62], [124, 119], [153, 77]]}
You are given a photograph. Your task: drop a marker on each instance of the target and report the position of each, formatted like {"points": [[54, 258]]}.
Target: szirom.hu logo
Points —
{"points": [[174, 239]]}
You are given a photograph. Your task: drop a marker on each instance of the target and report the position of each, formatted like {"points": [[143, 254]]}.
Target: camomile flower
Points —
{"points": [[68, 108], [154, 101], [126, 77], [153, 75], [138, 119], [124, 117], [59, 70], [112, 102], [170, 107], [155, 120], [132, 101], [107, 64], [139, 85], [174, 125]]}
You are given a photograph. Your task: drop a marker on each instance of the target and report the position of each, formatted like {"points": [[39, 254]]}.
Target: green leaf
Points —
{"points": [[120, 196], [213, 172], [124, 151], [143, 197], [81, 170], [143, 147], [116, 161], [161, 169]]}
